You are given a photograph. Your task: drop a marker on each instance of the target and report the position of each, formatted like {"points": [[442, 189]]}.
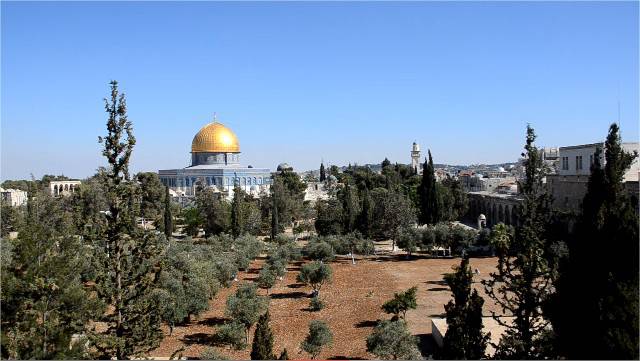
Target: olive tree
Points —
{"points": [[319, 336], [246, 306], [315, 274], [392, 340], [401, 303]]}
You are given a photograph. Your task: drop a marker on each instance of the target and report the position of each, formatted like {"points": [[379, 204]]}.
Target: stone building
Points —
{"points": [[14, 197], [569, 185], [63, 187], [476, 182], [316, 191], [215, 163], [496, 207]]}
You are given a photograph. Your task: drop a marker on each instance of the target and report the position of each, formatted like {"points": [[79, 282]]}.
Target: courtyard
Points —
{"points": [[353, 301]]}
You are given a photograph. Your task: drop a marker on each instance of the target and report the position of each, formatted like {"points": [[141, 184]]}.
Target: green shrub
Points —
{"points": [[318, 337], [315, 274], [401, 303], [316, 304], [266, 278], [320, 251], [232, 334], [392, 340]]}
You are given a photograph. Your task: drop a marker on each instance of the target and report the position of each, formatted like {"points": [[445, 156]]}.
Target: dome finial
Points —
{"points": [[215, 117]]}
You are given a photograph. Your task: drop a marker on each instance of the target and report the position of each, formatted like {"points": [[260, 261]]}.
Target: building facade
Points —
{"points": [[63, 187], [14, 197], [215, 163], [569, 185]]}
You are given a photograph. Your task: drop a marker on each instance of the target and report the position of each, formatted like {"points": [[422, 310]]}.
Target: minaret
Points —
{"points": [[415, 158]]}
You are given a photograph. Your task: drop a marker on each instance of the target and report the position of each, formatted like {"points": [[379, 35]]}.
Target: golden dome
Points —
{"points": [[215, 138]]}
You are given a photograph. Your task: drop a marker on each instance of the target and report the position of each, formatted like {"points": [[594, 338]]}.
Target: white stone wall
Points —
{"points": [[15, 197]]}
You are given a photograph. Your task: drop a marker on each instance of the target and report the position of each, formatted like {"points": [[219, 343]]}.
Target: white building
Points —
{"points": [[15, 197], [63, 187], [569, 185]]}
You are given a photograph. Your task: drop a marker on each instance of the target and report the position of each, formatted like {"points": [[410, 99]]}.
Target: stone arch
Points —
{"points": [[55, 190]]}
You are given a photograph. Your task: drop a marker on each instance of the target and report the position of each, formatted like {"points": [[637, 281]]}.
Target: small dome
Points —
{"points": [[482, 217], [215, 138], [284, 166]]}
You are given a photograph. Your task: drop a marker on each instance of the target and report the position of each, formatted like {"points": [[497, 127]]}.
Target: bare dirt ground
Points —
{"points": [[352, 300]]}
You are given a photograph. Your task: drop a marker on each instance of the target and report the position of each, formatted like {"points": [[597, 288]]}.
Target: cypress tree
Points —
{"points": [[522, 283], [365, 220], [236, 213], [323, 175], [349, 209], [168, 218], [464, 339], [274, 212], [597, 292], [262, 346], [127, 264], [427, 191]]}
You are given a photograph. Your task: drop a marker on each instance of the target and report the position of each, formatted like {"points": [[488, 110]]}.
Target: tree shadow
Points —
{"points": [[437, 289], [438, 283], [213, 321], [367, 323], [345, 358], [279, 296], [199, 338], [426, 344], [400, 257]]}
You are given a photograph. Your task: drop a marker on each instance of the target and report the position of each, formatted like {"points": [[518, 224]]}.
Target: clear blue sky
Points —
{"points": [[297, 82]]}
